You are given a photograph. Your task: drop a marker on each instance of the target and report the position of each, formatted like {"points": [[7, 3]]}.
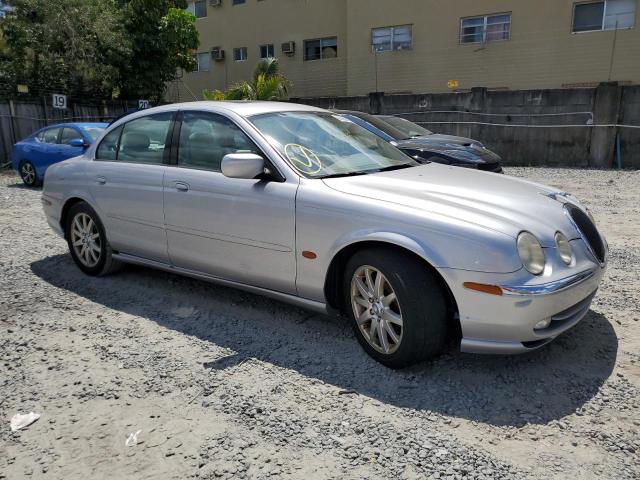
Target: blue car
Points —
{"points": [[55, 143]]}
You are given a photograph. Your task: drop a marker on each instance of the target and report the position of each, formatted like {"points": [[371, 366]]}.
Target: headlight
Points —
{"points": [[531, 253], [564, 248]]}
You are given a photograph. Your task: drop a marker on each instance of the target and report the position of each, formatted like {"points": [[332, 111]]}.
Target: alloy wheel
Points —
{"points": [[85, 239], [376, 309], [28, 173]]}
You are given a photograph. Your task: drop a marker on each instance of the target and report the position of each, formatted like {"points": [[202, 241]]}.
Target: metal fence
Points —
{"points": [[19, 118]]}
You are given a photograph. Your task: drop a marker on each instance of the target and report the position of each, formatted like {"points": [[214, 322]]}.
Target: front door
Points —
{"points": [[64, 150], [126, 181], [235, 229]]}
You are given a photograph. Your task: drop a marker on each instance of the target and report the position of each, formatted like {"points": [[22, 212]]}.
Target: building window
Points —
{"points": [[321, 48], [202, 61], [267, 51], [240, 54], [238, 2], [392, 38], [488, 28], [605, 15], [198, 8]]}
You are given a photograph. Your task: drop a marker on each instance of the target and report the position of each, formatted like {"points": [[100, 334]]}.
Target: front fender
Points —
{"points": [[394, 238], [326, 232]]}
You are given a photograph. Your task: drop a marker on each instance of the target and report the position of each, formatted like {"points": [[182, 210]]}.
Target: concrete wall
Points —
{"points": [[516, 138]]}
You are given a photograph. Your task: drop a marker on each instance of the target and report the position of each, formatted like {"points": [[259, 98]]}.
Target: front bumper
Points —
{"points": [[506, 324], [52, 208]]}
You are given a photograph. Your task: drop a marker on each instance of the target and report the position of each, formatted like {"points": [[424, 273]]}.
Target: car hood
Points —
{"points": [[498, 202], [456, 147]]}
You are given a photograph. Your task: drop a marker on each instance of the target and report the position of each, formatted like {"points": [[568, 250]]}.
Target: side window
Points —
{"points": [[205, 138], [143, 139], [69, 134], [50, 136], [108, 148]]}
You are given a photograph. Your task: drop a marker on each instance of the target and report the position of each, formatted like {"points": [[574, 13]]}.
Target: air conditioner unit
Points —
{"points": [[215, 3], [289, 48], [217, 53]]}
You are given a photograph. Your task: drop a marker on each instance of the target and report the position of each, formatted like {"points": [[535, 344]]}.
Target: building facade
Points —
{"points": [[353, 47]]}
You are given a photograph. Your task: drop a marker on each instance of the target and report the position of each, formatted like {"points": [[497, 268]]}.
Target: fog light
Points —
{"points": [[542, 324]]}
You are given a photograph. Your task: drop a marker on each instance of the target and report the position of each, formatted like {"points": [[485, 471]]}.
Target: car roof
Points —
{"points": [[77, 124], [245, 108]]}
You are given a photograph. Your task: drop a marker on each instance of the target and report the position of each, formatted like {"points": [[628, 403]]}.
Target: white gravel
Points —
{"points": [[225, 384]]}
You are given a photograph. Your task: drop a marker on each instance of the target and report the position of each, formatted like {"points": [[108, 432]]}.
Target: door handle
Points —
{"points": [[183, 187], [101, 180]]}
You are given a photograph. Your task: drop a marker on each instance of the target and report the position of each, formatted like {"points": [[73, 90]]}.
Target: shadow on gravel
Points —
{"points": [[22, 186], [534, 388]]}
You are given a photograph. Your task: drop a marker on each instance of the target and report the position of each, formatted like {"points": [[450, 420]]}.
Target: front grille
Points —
{"points": [[588, 230]]}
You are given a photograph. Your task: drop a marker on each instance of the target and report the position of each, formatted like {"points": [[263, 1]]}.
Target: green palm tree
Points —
{"points": [[267, 84]]}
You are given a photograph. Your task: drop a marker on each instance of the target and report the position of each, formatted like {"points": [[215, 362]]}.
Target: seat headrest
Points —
{"points": [[225, 137], [135, 141], [201, 138]]}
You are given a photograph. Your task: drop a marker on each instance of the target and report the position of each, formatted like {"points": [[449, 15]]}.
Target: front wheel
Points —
{"points": [[87, 241], [397, 307], [28, 174]]}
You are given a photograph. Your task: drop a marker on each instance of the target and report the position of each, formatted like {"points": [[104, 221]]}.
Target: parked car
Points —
{"points": [[424, 145], [305, 206], [32, 156]]}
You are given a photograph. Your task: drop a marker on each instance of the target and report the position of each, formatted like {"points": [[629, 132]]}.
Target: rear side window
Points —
{"points": [[205, 138], [69, 134], [141, 140], [49, 136], [108, 149]]}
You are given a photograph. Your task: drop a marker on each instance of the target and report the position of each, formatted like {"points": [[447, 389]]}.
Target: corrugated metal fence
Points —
{"points": [[21, 117]]}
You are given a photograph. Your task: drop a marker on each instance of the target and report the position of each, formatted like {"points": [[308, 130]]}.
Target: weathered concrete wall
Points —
{"points": [[515, 124], [630, 137]]}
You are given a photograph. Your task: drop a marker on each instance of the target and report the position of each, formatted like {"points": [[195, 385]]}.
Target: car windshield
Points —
{"points": [[320, 145], [93, 132], [410, 129]]}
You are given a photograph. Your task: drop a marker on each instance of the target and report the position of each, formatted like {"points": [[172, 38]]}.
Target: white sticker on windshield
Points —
{"points": [[303, 158]]}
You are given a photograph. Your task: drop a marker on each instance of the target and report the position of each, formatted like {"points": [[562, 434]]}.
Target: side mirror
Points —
{"points": [[242, 165], [77, 142]]}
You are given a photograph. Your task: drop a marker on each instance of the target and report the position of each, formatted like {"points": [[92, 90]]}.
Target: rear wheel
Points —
{"points": [[28, 174], [87, 241], [397, 307]]}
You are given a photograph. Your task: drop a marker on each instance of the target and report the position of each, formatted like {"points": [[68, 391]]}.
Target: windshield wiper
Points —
{"points": [[347, 174], [395, 167], [365, 172]]}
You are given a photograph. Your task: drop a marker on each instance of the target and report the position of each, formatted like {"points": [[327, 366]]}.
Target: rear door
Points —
{"points": [[126, 181], [41, 151], [236, 229]]}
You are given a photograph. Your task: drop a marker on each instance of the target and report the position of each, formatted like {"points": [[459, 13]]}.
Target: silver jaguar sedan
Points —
{"points": [[303, 205]]}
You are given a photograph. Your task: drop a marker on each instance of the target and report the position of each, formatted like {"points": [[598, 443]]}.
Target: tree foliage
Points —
{"points": [[162, 36], [267, 84], [96, 47]]}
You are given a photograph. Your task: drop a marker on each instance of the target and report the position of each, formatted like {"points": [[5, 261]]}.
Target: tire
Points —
{"points": [[88, 243], [408, 292], [28, 174]]}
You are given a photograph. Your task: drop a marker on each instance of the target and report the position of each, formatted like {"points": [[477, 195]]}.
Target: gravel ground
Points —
{"points": [[225, 384]]}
